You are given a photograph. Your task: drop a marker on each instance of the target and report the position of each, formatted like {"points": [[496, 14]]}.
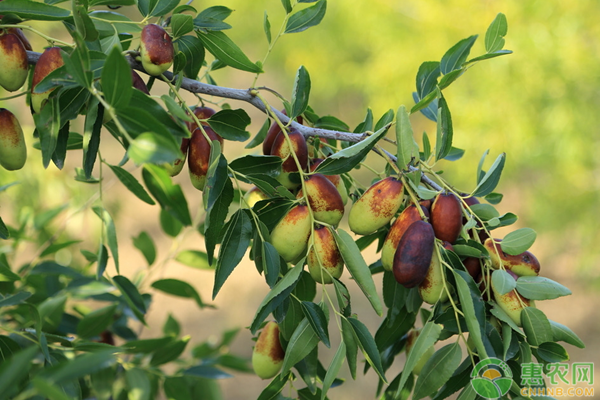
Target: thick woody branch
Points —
{"points": [[247, 96]]}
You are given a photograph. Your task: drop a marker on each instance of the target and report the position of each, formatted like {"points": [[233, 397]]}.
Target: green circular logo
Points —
{"points": [[491, 378]]}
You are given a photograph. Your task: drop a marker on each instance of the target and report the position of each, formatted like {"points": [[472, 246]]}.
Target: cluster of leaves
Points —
{"points": [[59, 348]]}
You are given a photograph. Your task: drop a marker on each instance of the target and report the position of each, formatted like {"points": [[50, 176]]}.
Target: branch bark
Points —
{"points": [[246, 95]]}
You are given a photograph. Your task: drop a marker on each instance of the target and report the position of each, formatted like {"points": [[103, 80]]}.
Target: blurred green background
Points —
{"points": [[539, 105]]}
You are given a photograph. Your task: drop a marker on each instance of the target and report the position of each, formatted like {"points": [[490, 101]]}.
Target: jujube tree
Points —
{"points": [[284, 208]]}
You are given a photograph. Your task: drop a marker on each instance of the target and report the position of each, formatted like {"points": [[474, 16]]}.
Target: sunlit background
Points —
{"points": [[539, 105]]}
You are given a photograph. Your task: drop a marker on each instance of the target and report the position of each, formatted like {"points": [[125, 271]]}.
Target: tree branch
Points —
{"points": [[246, 95]]}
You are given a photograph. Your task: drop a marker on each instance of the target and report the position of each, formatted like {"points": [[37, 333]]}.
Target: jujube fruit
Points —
{"points": [[175, 168], [201, 113], [432, 288], [524, 264], [512, 303], [268, 355], [199, 155], [446, 217], [253, 196], [337, 180], [324, 259], [324, 199], [13, 151], [281, 148], [13, 62], [272, 133], [413, 255], [19, 33], [49, 61], [377, 206], [138, 82], [290, 236], [156, 49], [409, 215]]}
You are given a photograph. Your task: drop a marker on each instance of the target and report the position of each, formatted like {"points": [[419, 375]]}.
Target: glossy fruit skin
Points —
{"points": [[409, 215], [13, 151], [377, 206], [324, 256], [19, 33], [253, 196], [524, 264], [432, 288], [282, 149], [199, 155], [412, 336], [272, 133], [512, 303], [156, 49], [139, 83], [13, 62], [446, 217], [413, 255], [177, 165], [48, 62], [290, 236], [268, 355], [337, 180], [200, 113], [473, 266], [324, 199]]}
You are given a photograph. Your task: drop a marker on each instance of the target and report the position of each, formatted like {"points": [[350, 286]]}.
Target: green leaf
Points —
{"points": [[536, 326], [131, 295], [437, 370], [14, 370], [47, 124], [116, 79], [138, 384], [156, 8], [540, 288], [49, 390], [427, 337], [349, 339], [552, 352], [490, 55], [427, 77], [170, 225], [518, 241], [194, 259], [561, 332], [146, 345], [304, 19], [170, 352], [132, 184], [267, 27], [358, 268], [346, 159], [302, 342], [457, 55], [368, 346], [443, 144], [276, 296], [178, 288], [28, 9], [144, 243], [251, 164], [95, 322], [485, 211], [111, 233], [231, 124], [215, 220], [169, 196], [219, 45], [4, 233], [468, 308], [181, 24], [488, 183], [171, 327], [14, 299], [91, 136], [300, 92], [334, 368], [408, 149], [260, 136], [234, 246], [193, 50], [152, 148], [503, 282], [207, 371], [287, 5], [82, 365], [317, 320], [494, 36]]}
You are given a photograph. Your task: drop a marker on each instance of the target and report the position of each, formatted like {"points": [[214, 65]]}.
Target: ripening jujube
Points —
{"points": [[13, 62], [13, 151], [156, 49], [49, 61], [377, 206]]}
